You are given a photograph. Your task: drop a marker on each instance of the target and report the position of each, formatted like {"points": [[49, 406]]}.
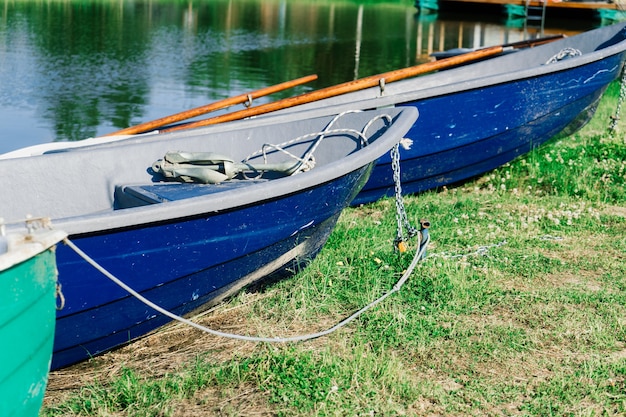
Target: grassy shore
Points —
{"points": [[518, 309]]}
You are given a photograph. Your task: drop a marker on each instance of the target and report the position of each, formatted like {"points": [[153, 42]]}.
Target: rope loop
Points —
{"points": [[248, 102], [564, 54], [60, 297], [307, 161], [381, 84]]}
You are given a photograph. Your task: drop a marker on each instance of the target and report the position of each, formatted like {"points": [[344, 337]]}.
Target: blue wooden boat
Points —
{"points": [[28, 280], [479, 116], [187, 228]]}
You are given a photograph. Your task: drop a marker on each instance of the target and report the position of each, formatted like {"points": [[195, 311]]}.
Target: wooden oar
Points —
{"points": [[347, 87], [144, 127], [528, 43], [368, 82]]}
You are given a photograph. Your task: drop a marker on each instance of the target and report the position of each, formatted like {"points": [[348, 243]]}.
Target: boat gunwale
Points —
{"points": [[24, 246], [102, 221]]}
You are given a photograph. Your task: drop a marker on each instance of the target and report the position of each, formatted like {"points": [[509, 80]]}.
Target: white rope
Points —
{"points": [[307, 161], [419, 254], [564, 53], [481, 250]]}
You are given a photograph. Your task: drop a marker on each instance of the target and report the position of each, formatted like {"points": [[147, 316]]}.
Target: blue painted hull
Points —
{"points": [[479, 116], [481, 140], [483, 129], [184, 265]]}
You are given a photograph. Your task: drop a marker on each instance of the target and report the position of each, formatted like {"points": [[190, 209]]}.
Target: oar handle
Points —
{"points": [[529, 43], [188, 114], [347, 87]]}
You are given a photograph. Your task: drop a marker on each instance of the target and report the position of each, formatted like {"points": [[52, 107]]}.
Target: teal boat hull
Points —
{"points": [[27, 324]]}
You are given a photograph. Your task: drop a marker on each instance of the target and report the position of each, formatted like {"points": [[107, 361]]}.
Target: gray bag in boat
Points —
{"points": [[212, 168]]}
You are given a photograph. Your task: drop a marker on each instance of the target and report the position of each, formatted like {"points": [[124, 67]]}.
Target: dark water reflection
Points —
{"points": [[78, 68]]}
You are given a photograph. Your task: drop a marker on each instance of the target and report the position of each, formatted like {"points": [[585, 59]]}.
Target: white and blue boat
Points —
{"points": [[193, 216], [479, 116]]}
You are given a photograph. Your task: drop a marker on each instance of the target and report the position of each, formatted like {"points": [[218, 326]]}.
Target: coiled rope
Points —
{"points": [[564, 54]]}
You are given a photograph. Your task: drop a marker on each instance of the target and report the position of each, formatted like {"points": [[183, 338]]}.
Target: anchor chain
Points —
{"points": [[401, 216], [620, 100]]}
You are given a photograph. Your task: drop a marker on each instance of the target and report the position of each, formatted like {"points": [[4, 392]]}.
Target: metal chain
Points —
{"points": [[480, 251], [401, 217], [620, 100]]}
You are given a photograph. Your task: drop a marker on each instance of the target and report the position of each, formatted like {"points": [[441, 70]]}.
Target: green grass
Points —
{"points": [[519, 309]]}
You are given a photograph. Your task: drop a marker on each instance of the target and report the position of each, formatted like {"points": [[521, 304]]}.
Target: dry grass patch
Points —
{"points": [[584, 280], [619, 211], [244, 400]]}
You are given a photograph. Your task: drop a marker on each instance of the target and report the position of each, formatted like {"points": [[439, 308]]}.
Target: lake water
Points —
{"points": [[72, 69]]}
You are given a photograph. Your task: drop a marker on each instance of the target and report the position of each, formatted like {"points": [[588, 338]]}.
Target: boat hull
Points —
{"points": [[491, 127], [187, 264], [479, 116], [27, 323]]}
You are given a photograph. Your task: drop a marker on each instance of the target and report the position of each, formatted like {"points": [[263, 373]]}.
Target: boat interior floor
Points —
{"points": [[129, 196]]}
